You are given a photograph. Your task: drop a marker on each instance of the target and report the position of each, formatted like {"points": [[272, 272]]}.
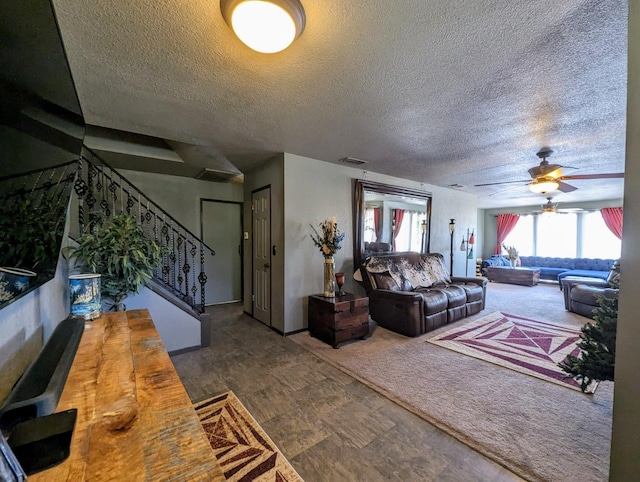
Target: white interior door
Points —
{"points": [[261, 259], [222, 231]]}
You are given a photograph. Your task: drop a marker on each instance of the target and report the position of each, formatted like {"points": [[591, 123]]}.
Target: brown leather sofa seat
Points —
{"points": [[412, 293]]}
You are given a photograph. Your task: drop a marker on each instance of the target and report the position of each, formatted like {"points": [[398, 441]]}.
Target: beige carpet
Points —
{"points": [[243, 449], [538, 430]]}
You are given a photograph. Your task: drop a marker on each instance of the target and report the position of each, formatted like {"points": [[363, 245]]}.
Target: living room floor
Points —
{"points": [[327, 424]]}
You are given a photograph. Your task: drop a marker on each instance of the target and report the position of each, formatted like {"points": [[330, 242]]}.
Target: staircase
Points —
{"points": [[102, 193]]}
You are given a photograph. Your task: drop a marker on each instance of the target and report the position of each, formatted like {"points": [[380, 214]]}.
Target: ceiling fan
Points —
{"points": [[552, 208], [548, 177]]}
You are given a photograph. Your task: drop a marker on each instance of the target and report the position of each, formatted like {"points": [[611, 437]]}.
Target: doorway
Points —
{"points": [[261, 254], [221, 230]]}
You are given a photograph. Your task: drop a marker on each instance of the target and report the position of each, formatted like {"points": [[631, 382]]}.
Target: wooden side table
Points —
{"points": [[339, 319]]}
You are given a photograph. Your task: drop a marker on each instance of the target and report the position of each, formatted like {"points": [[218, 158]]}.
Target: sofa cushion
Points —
{"points": [[594, 264], [384, 281], [547, 262], [584, 273], [435, 301], [473, 292], [455, 295]]}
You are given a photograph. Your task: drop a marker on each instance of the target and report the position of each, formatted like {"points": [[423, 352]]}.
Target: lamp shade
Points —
{"points": [[266, 26], [544, 186], [452, 225]]}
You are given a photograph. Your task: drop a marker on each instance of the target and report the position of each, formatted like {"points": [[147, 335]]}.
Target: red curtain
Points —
{"points": [[506, 223], [376, 222], [613, 219], [398, 214]]}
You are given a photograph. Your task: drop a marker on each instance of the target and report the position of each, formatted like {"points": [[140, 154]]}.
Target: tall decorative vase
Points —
{"points": [[513, 262], [329, 280]]}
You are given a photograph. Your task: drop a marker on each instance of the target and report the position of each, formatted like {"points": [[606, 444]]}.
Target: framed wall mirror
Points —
{"points": [[389, 219]]}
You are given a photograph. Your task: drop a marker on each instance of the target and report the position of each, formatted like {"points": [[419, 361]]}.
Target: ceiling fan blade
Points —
{"points": [[611, 175], [543, 170], [564, 187], [502, 182]]}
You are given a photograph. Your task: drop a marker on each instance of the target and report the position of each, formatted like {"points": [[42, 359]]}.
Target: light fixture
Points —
{"points": [[544, 185], [267, 26], [452, 225]]}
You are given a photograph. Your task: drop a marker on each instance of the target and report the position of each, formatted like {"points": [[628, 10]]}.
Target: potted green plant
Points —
{"points": [[120, 252]]}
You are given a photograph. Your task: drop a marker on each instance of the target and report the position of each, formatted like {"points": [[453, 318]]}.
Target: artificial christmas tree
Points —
{"points": [[598, 345]]}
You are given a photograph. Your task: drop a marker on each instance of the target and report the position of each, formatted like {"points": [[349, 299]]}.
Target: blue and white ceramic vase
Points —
{"points": [[84, 295], [14, 281]]}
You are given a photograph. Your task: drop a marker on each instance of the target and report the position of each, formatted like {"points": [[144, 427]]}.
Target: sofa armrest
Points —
{"points": [[400, 311], [570, 283], [482, 282]]}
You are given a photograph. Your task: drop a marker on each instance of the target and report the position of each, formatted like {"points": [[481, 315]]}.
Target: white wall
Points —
{"points": [[180, 196], [177, 329], [625, 443], [315, 190]]}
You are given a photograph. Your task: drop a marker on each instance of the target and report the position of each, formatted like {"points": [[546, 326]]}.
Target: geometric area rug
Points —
{"points": [[243, 449], [521, 344]]}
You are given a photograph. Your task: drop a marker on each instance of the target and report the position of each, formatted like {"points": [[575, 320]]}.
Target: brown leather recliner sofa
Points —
{"points": [[412, 293], [581, 295]]}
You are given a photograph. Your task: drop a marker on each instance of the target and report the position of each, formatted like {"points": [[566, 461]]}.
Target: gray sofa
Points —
{"points": [[412, 293]]}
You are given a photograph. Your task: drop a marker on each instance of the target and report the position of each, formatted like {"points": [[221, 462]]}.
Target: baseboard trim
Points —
{"points": [[180, 351]]}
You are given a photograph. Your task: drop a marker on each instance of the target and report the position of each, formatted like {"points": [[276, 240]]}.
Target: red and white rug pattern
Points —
{"points": [[243, 449], [521, 344]]}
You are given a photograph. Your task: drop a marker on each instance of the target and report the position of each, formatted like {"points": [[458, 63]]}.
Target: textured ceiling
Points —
{"points": [[439, 92]]}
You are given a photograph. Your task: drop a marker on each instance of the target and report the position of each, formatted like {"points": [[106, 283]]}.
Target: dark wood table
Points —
{"points": [[516, 276], [339, 319]]}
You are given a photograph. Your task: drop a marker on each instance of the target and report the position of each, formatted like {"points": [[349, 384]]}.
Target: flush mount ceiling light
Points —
{"points": [[265, 26], [543, 186]]}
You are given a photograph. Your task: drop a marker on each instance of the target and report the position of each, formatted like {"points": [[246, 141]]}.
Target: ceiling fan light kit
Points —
{"points": [[265, 26], [543, 186]]}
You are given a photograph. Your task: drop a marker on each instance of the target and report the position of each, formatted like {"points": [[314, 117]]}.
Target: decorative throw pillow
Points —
{"points": [[384, 281]]}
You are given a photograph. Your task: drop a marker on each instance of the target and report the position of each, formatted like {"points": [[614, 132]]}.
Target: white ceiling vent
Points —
{"points": [[353, 161]]}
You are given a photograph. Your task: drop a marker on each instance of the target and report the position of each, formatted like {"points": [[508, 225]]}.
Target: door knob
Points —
{"points": [[266, 265]]}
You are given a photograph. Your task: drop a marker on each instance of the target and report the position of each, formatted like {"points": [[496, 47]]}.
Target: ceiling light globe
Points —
{"points": [[545, 186], [264, 26]]}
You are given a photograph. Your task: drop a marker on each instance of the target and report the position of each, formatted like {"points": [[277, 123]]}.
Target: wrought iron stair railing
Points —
{"points": [[102, 193]]}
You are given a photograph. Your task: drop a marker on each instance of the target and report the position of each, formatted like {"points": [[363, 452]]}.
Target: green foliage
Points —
{"points": [[31, 232], [122, 254], [596, 362]]}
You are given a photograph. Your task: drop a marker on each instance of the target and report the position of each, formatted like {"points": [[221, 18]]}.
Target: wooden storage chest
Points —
{"points": [[339, 319]]}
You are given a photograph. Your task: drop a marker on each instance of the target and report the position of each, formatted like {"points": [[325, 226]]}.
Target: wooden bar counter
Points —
{"points": [[135, 420]]}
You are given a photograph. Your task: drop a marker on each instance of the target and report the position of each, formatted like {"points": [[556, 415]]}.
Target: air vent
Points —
{"points": [[353, 161]]}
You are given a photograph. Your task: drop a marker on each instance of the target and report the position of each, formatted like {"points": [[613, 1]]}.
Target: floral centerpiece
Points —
{"points": [[512, 254], [328, 239]]}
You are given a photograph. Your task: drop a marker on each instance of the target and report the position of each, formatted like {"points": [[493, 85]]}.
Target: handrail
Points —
{"points": [[105, 192]]}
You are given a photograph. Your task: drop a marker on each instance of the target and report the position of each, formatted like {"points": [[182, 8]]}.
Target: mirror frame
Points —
{"points": [[362, 185]]}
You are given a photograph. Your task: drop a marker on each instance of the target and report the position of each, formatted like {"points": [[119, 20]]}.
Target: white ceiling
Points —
{"points": [[436, 91]]}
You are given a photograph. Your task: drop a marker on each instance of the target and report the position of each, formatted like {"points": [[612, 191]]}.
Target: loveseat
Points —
{"points": [[556, 269], [412, 293]]}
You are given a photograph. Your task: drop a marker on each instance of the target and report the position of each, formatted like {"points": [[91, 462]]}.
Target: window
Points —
{"points": [[522, 236], [564, 235], [369, 226], [557, 235], [410, 235], [597, 240]]}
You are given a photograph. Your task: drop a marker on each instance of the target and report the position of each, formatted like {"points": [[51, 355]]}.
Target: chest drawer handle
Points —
{"points": [[335, 312]]}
